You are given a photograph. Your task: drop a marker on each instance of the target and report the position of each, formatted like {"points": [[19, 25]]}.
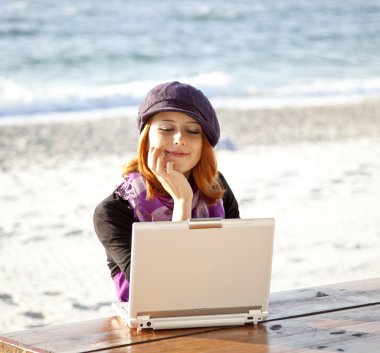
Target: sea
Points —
{"points": [[70, 56]]}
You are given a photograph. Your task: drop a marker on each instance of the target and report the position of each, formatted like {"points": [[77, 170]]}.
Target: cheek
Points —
{"points": [[155, 140], [198, 150]]}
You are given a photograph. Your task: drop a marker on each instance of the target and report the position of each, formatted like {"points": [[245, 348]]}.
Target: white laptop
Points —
{"points": [[199, 273]]}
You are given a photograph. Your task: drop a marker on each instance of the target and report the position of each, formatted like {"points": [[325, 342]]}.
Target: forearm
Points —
{"points": [[181, 210]]}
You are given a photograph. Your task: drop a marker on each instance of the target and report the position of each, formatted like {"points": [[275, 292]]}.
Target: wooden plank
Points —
{"points": [[86, 336], [112, 332], [353, 330], [324, 298], [332, 331]]}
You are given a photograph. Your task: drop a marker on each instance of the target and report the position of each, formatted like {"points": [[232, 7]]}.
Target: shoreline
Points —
{"points": [[131, 111], [115, 135], [304, 124]]}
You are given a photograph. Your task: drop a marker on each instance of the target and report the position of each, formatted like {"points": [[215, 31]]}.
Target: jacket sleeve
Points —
{"points": [[113, 219], [231, 207]]}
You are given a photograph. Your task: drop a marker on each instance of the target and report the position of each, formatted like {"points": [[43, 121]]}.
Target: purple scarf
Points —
{"points": [[160, 208]]}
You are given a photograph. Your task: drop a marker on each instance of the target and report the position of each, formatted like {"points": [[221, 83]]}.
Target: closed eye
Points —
{"points": [[193, 132], [166, 129]]}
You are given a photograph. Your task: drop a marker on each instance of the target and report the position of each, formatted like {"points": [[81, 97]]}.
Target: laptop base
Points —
{"points": [[163, 323]]}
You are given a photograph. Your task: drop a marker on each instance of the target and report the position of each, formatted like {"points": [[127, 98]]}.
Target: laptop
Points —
{"points": [[199, 273]]}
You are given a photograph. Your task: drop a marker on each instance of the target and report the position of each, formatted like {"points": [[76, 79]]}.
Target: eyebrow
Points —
{"points": [[174, 121]]}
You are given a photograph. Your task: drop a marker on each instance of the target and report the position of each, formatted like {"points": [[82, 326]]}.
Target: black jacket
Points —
{"points": [[113, 219]]}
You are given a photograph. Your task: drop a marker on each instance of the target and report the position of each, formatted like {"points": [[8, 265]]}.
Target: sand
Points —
{"points": [[316, 170]]}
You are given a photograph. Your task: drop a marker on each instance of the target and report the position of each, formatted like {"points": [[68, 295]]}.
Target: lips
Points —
{"points": [[176, 154]]}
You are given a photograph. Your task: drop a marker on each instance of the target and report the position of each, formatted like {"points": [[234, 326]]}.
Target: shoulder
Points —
{"points": [[110, 202], [224, 182], [230, 203], [222, 179], [112, 207]]}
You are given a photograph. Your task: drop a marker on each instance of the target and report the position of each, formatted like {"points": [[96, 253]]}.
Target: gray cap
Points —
{"points": [[183, 98]]}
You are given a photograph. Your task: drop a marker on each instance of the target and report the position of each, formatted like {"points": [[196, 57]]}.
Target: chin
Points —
{"points": [[184, 171]]}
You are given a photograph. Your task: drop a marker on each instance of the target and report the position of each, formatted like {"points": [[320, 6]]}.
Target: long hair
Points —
{"points": [[205, 173]]}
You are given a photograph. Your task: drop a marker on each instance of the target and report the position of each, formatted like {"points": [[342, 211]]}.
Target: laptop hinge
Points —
{"points": [[255, 316], [144, 321], [202, 223]]}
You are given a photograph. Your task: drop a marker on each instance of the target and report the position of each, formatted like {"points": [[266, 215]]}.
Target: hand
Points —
{"points": [[173, 181]]}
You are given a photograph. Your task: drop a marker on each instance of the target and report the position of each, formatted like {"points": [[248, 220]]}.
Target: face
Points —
{"points": [[179, 137]]}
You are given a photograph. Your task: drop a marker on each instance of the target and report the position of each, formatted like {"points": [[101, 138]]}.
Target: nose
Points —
{"points": [[179, 138]]}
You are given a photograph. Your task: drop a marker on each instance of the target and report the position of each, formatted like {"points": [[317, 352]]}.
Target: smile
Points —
{"points": [[176, 154]]}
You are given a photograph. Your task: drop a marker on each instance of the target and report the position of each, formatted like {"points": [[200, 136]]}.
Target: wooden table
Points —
{"points": [[343, 317]]}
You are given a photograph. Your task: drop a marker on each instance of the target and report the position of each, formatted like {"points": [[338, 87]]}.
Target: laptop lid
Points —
{"points": [[199, 268]]}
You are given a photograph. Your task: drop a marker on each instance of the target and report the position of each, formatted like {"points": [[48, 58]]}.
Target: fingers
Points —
{"points": [[152, 158], [151, 163], [169, 167], [160, 163], [156, 161]]}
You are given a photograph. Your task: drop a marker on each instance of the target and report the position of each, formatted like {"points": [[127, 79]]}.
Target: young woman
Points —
{"points": [[173, 178]]}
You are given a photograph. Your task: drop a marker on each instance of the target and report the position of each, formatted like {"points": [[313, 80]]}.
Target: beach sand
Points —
{"points": [[316, 170]]}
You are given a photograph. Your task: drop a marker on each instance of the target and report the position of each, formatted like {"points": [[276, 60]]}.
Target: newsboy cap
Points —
{"points": [[183, 98]]}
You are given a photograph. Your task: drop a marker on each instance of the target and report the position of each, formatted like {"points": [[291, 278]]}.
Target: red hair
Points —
{"points": [[205, 173]]}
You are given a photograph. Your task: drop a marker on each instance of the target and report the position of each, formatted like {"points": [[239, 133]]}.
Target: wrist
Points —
{"points": [[182, 209], [182, 200]]}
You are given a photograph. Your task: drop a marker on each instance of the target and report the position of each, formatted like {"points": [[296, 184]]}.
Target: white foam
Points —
{"points": [[27, 99], [125, 112]]}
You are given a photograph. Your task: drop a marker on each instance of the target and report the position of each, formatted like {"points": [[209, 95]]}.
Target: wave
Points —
{"points": [[328, 87], [223, 90], [23, 99]]}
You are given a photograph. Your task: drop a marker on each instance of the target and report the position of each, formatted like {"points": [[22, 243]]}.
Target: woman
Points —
{"points": [[174, 176]]}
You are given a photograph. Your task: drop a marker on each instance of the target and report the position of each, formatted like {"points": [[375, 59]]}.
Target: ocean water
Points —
{"points": [[74, 56]]}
